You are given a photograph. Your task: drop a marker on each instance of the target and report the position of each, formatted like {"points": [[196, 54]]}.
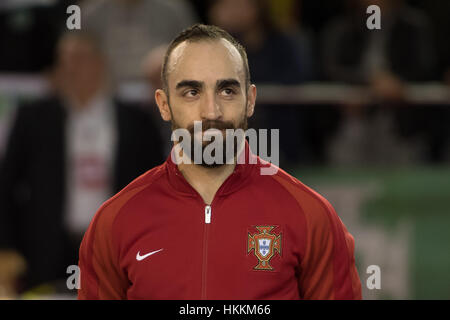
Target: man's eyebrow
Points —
{"points": [[189, 83], [228, 83]]}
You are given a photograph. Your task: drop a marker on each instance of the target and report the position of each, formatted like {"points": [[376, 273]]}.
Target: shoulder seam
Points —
{"points": [[125, 190], [324, 203], [333, 219], [302, 211]]}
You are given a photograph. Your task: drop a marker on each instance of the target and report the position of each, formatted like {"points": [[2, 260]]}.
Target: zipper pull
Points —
{"points": [[208, 214]]}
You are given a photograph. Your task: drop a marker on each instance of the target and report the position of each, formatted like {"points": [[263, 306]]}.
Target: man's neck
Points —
{"points": [[206, 181]]}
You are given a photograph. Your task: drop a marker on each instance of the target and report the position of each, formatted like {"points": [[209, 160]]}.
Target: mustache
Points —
{"points": [[213, 124]]}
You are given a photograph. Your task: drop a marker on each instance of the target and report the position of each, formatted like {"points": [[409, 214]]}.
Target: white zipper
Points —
{"points": [[208, 214]]}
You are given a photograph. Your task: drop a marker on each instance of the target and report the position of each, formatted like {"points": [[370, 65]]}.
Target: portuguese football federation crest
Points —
{"points": [[264, 244]]}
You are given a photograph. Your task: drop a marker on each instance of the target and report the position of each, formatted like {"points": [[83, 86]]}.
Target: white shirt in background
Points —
{"points": [[90, 150]]}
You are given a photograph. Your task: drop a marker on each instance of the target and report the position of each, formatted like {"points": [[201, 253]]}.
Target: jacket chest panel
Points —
{"points": [[183, 255]]}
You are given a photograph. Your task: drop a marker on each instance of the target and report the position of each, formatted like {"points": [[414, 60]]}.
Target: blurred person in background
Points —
{"points": [[275, 57], [66, 155], [287, 17], [384, 60], [402, 50], [129, 29]]}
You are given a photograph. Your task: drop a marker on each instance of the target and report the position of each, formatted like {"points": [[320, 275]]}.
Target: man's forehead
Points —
{"points": [[191, 58]]}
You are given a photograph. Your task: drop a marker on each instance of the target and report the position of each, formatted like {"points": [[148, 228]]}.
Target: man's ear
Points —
{"points": [[162, 101], [251, 100]]}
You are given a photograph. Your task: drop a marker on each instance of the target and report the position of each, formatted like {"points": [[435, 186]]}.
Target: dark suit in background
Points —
{"points": [[33, 182]]}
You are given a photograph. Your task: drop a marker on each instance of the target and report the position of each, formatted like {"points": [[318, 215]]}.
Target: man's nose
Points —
{"points": [[210, 108]]}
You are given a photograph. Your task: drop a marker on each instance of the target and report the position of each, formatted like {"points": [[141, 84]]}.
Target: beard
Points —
{"points": [[227, 157]]}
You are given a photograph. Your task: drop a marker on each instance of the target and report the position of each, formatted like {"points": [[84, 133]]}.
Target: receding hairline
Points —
{"points": [[233, 51], [206, 34]]}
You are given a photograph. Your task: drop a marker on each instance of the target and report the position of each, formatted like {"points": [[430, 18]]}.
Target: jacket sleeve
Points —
{"points": [[100, 274], [328, 268]]}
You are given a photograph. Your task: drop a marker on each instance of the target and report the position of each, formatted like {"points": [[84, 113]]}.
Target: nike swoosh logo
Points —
{"points": [[140, 258]]}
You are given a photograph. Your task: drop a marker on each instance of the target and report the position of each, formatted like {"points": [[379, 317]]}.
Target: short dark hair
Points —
{"points": [[199, 32]]}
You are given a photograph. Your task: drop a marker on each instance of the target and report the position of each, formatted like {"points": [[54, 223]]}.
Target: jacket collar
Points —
{"points": [[238, 178]]}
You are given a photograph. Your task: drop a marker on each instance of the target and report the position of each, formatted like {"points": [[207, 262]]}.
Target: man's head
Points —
{"points": [[80, 66], [197, 33], [206, 78], [239, 16]]}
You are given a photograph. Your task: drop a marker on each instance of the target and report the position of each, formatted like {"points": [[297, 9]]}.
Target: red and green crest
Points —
{"points": [[264, 245]]}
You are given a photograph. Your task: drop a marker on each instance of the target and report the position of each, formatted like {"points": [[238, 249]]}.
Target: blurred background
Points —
{"points": [[363, 116]]}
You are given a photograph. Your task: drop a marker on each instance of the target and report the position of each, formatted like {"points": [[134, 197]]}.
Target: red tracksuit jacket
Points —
{"points": [[262, 237]]}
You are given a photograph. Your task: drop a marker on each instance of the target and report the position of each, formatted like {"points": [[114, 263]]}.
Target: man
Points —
{"points": [[66, 155], [221, 230]]}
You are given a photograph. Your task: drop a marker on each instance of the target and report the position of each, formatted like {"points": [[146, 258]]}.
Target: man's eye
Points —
{"points": [[227, 92], [191, 93]]}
